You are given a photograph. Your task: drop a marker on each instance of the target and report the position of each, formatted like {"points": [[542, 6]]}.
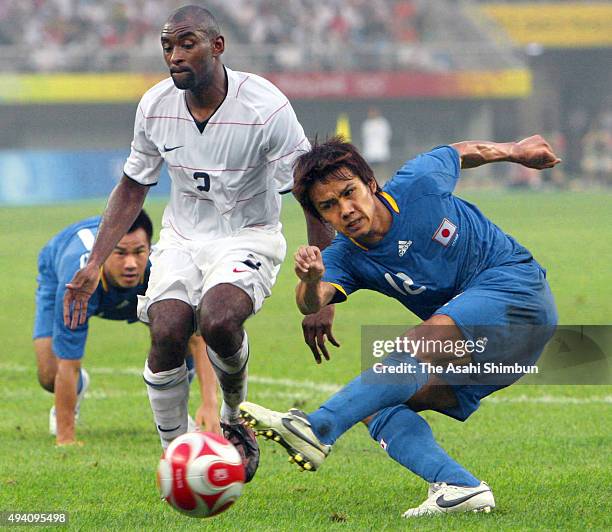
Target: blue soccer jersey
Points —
{"points": [[58, 261], [436, 246]]}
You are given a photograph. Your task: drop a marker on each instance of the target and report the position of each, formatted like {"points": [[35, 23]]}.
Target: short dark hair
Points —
{"points": [[143, 221], [326, 161], [199, 16]]}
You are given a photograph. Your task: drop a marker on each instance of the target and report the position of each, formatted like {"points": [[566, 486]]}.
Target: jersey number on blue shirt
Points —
{"points": [[407, 284]]}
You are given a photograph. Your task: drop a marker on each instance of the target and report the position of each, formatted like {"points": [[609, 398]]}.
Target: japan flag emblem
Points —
{"points": [[445, 232]]}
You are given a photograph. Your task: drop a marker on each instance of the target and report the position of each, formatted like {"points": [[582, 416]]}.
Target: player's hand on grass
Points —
{"points": [[309, 264], [534, 152], [316, 328], [78, 292]]}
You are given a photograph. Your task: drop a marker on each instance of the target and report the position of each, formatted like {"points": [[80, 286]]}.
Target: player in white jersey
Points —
{"points": [[229, 140]]}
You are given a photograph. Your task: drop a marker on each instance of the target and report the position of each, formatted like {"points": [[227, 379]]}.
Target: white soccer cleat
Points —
{"points": [[444, 498], [291, 430], [80, 396]]}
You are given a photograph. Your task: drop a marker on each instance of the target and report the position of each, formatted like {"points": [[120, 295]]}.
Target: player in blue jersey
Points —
{"points": [[123, 278], [477, 290]]}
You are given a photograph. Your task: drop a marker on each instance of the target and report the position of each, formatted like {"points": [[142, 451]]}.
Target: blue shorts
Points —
{"points": [[513, 308], [45, 295]]}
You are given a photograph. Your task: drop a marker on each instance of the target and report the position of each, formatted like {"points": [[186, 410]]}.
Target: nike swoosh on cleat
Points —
{"points": [[166, 149], [443, 503], [287, 423], [168, 430]]}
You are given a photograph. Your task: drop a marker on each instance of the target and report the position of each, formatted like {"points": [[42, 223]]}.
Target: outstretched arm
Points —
{"points": [[317, 327], [311, 293], [124, 204], [533, 152], [207, 415]]}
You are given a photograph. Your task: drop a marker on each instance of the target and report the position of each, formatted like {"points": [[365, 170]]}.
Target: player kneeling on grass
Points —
{"points": [[123, 277], [446, 262]]}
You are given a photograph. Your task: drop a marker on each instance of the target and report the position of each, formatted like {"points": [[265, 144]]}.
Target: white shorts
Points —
{"points": [[187, 269]]}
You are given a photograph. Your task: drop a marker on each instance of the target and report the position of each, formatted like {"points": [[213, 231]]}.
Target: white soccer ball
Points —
{"points": [[200, 474]]}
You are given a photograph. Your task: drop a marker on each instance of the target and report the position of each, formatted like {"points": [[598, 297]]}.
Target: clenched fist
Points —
{"points": [[309, 264], [534, 152]]}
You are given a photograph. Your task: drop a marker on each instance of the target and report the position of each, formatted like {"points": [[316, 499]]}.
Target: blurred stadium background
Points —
{"points": [[437, 70]]}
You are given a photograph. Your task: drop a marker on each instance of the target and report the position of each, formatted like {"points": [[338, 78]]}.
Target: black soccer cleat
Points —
{"points": [[243, 438]]}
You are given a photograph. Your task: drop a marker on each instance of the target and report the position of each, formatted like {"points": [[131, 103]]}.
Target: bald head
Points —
{"points": [[202, 19]]}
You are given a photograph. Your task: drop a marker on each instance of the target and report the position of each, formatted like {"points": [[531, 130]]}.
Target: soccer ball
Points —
{"points": [[200, 474]]}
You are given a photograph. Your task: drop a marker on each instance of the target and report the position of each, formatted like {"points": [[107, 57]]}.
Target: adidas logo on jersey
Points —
{"points": [[402, 246]]}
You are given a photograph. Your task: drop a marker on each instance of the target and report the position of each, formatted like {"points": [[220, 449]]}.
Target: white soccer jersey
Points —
{"points": [[229, 176]]}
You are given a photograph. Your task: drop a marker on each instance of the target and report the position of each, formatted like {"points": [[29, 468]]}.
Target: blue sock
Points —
{"points": [[367, 394], [408, 439], [80, 383]]}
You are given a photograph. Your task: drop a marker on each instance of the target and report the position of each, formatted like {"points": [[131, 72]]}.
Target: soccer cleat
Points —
{"points": [[80, 396], [445, 498], [291, 430], [243, 438]]}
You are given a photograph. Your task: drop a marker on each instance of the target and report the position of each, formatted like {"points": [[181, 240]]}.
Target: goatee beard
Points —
{"points": [[185, 84]]}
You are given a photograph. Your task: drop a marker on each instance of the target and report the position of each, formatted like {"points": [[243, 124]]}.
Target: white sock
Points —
{"points": [[232, 376], [168, 394]]}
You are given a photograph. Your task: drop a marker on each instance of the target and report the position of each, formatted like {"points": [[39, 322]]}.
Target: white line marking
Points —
{"points": [[324, 388], [254, 379], [100, 395], [550, 399]]}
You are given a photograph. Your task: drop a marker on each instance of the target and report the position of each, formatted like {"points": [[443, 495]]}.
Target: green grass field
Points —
{"points": [[545, 450]]}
